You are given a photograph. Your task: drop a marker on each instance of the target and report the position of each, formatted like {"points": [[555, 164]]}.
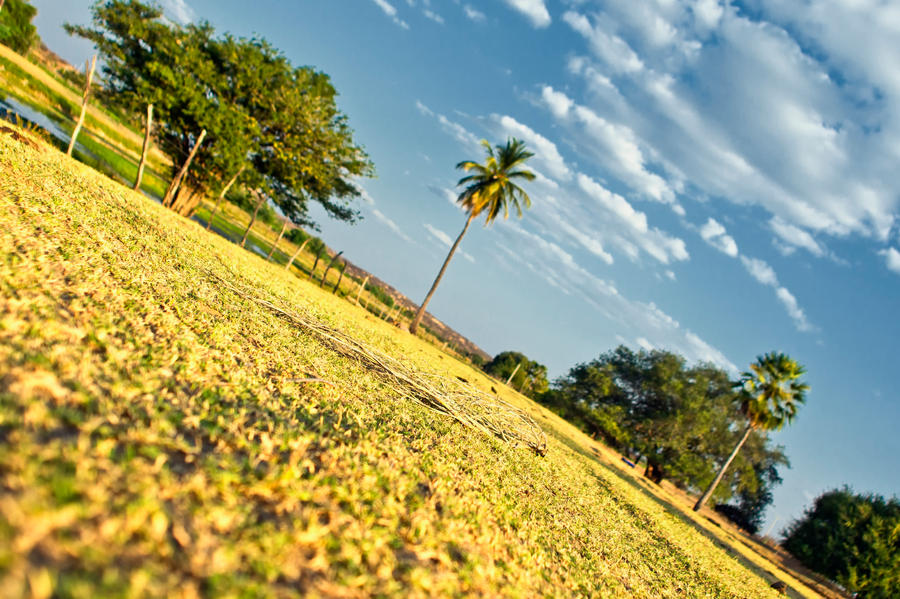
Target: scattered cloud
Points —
{"points": [[179, 10], [391, 225], [714, 234], [391, 11], [760, 270], [534, 10], [764, 274], [473, 14], [794, 237], [444, 240], [429, 14], [546, 152], [892, 259]]}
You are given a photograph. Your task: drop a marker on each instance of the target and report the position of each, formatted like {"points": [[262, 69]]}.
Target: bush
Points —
{"points": [[852, 539], [16, 30]]}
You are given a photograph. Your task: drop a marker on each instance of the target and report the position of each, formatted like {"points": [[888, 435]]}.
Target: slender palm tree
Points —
{"points": [[490, 188], [771, 394]]}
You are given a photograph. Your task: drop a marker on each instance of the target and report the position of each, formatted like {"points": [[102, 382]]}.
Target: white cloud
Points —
{"points": [[558, 102], [670, 275], [444, 239], [614, 203], [545, 150], [793, 309], [796, 237], [423, 109], [644, 320], [391, 11], [714, 234], [760, 270], [892, 259], [612, 49], [473, 14], [179, 10], [764, 274], [535, 10], [391, 225], [429, 14]]}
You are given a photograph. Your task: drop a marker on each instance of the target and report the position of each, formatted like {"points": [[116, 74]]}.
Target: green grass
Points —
{"points": [[155, 440]]}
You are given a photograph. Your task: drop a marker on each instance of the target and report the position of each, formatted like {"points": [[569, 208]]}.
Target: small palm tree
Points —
{"points": [[771, 394], [490, 189]]}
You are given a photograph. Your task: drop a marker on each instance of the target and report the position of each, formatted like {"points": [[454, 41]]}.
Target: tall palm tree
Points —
{"points": [[771, 394], [490, 189]]}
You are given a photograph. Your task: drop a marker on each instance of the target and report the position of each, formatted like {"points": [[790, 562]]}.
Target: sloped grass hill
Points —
{"points": [[160, 435]]}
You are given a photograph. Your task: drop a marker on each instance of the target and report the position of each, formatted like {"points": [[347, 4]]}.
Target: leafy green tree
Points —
{"points": [[771, 395], [528, 376], [277, 124], [853, 539], [16, 29], [491, 188], [680, 419]]}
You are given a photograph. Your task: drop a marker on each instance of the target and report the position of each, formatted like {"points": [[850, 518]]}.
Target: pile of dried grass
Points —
{"points": [[451, 396]]}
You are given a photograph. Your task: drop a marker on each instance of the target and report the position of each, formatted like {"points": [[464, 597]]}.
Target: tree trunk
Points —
{"points": [[145, 149], [327, 268], [721, 473], [340, 278], [89, 67], [284, 224], [222, 196], [173, 186], [297, 253], [259, 204], [361, 287], [315, 264], [414, 325]]}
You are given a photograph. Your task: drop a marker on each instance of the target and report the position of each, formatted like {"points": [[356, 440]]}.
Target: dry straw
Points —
{"points": [[453, 397]]}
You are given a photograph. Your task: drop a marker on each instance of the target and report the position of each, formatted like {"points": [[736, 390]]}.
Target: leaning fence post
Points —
{"points": [[335, 257], [340, 278], [361, 287], [145, 149], [170, 192], [89, 67], [315, 264]]}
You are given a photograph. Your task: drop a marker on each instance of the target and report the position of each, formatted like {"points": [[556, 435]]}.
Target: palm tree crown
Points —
{"points": [[772, 391], [492, 186]]}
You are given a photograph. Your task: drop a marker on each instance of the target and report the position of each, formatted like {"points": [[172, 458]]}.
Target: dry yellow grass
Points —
{"points": [[160, 435]]}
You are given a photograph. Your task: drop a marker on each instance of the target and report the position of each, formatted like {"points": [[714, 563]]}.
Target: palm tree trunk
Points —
{"points": [[414, 325], [253, 218], [297, 253], [721, 473], [280, 235], [222, 196], [182, 173]]}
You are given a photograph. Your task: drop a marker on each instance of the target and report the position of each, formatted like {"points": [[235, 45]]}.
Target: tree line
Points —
{"points": [[251, 118]]}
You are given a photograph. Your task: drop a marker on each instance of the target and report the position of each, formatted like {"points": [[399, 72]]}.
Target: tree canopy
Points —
{"points": [[854, 539], [278, 122], [16, 29], [681, 419], [528, 376]]}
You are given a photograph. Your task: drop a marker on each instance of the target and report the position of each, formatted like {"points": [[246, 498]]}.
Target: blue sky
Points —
{"points": [[717, 180]]}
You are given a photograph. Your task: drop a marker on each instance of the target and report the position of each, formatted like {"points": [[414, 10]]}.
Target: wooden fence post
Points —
{"points": [[515, 370], [315, 264], [173, 186], [222, 196], [145, 149], [340, 278], [297, 253], [89, 67], [330, 264], [361, 287], [284, 224]]}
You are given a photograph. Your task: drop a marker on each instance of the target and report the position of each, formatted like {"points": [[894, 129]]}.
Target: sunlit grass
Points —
{"points": [[159, 434]]}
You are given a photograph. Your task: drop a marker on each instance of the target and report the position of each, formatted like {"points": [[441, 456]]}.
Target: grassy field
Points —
{"points": [[161, 435]]}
